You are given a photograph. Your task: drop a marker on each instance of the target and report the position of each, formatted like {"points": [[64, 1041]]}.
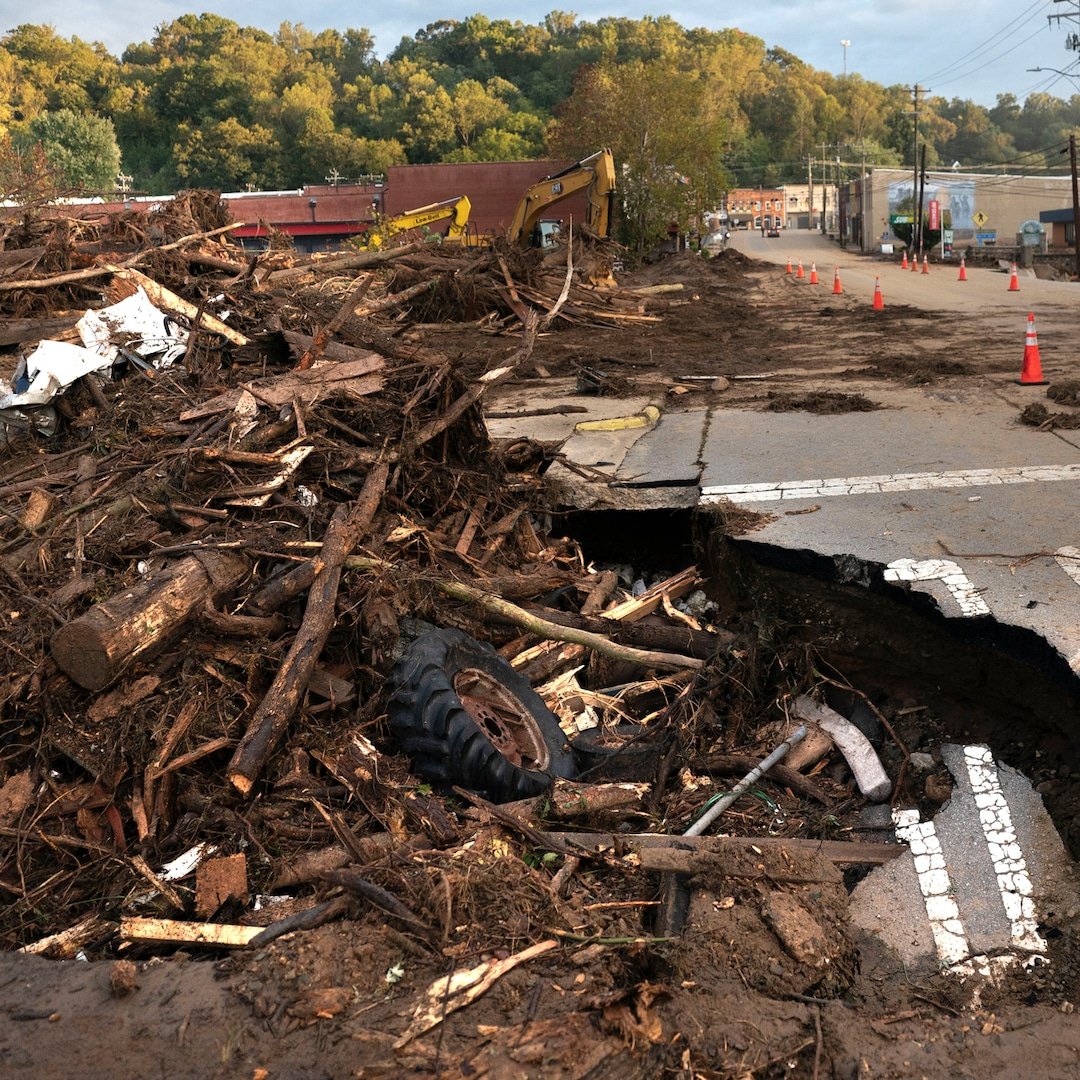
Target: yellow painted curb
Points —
{"points": [[648, 417]]}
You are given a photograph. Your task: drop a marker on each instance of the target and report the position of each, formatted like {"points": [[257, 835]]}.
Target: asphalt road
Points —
{"points": [[985, 292]]}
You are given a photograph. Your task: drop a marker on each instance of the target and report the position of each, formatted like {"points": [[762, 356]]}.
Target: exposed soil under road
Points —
{"points": [[728, 1000]]}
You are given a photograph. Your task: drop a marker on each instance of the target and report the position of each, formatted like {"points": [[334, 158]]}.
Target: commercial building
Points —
{"points": [[806, 204], [974, 210], [754, 208]]}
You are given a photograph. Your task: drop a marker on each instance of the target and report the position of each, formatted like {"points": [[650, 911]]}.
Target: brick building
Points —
{"points": [[752, 208]]}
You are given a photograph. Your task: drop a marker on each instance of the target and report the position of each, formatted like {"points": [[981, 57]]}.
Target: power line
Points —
{"points": [[993, 60], [989, 42]]}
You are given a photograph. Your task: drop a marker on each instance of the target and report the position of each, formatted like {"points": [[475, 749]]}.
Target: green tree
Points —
{"points": [[666, 144], [227, 156], [81, 150]]}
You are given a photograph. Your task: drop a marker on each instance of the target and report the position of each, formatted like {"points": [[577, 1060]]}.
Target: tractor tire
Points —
{"points": [[625, 752], [464, 716]]}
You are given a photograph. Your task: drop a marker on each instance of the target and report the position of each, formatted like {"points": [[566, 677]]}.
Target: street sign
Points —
{"points": [[935, 214], [980, 218]]}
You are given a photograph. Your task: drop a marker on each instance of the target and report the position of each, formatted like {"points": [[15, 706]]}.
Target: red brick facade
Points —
{"points": [[756, 207]]}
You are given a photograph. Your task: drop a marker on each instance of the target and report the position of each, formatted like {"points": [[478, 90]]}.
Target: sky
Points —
{"points": [[973, 49]]}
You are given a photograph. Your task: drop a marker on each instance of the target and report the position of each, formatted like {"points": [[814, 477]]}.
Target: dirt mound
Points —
{"points": [[1065, 393], [818, 401], [691, 268], [1037, 415], [919, 370]]}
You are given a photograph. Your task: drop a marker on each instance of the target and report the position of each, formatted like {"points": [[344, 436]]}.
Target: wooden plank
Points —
{"points": [[841, 852], [746, 864], [639, 606], [357, 377], [176, 932]]}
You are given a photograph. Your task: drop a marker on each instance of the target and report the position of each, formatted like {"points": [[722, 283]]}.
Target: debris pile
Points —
{"points": [[286, 639]]}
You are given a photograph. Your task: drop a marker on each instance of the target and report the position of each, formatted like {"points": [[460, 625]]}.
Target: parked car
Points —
{"points": [[773, 232]]}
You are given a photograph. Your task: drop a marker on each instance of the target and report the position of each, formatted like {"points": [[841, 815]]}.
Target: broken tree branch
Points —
{"points": [[104, 271], [543, 628], [287, 690], [177, 305], [455, 991]]}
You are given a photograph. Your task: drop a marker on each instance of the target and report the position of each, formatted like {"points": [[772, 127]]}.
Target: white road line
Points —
{"points": [[950, 938], [956, 581], [1068, 558], [888, 483], [1013, 879]]}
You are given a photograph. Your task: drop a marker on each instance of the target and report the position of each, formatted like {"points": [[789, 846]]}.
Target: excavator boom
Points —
{"points": [[457, 210], [594, 174]]}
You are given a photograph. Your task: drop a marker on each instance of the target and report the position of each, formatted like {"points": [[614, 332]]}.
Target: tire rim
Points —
{"points": [[507, 723]]}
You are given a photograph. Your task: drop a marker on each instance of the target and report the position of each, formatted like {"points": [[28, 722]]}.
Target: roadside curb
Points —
{"points": [[647, 418]]}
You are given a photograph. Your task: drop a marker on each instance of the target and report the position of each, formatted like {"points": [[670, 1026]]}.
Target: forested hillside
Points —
{"points": [[210, 103]]}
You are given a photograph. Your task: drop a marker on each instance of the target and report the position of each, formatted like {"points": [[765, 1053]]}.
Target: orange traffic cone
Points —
{"points": [[837, 288], [1014, 280], [879, 300], [903, 262], [1031, 371], [963, 270], [914, 262], [813, 273], [799, 273], [926, 264], [788, 264]]}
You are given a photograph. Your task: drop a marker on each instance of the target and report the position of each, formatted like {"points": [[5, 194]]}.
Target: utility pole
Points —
{"points": [[810, 185], [916, 224], [1076, 203], [824, 187], [1072, 39], [922, 196]]}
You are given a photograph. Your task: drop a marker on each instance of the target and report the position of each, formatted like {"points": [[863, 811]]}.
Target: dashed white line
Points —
{"points": [[955, 580], [888, 483], [1010, 866], [950, 939]]}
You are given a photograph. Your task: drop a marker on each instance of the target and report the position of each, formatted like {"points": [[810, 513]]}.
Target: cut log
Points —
{"points": [[102, 643], [570, 800]]}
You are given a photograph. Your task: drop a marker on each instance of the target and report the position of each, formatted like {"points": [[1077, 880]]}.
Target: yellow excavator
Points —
{"points": [[595, 175], [456, 211]]}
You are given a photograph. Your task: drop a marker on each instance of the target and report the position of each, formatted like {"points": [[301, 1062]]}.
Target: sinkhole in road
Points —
{"points": [[803, 618]]}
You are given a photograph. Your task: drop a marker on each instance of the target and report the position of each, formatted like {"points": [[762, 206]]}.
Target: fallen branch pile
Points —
{"points": [[209, 569]]}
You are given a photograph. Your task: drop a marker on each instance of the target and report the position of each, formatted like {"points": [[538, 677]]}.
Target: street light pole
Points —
{"points": [[845, 43]]}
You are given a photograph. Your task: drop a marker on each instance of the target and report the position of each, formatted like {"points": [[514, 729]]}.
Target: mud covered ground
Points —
{"points": [[738, 317], [739, 994]]}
